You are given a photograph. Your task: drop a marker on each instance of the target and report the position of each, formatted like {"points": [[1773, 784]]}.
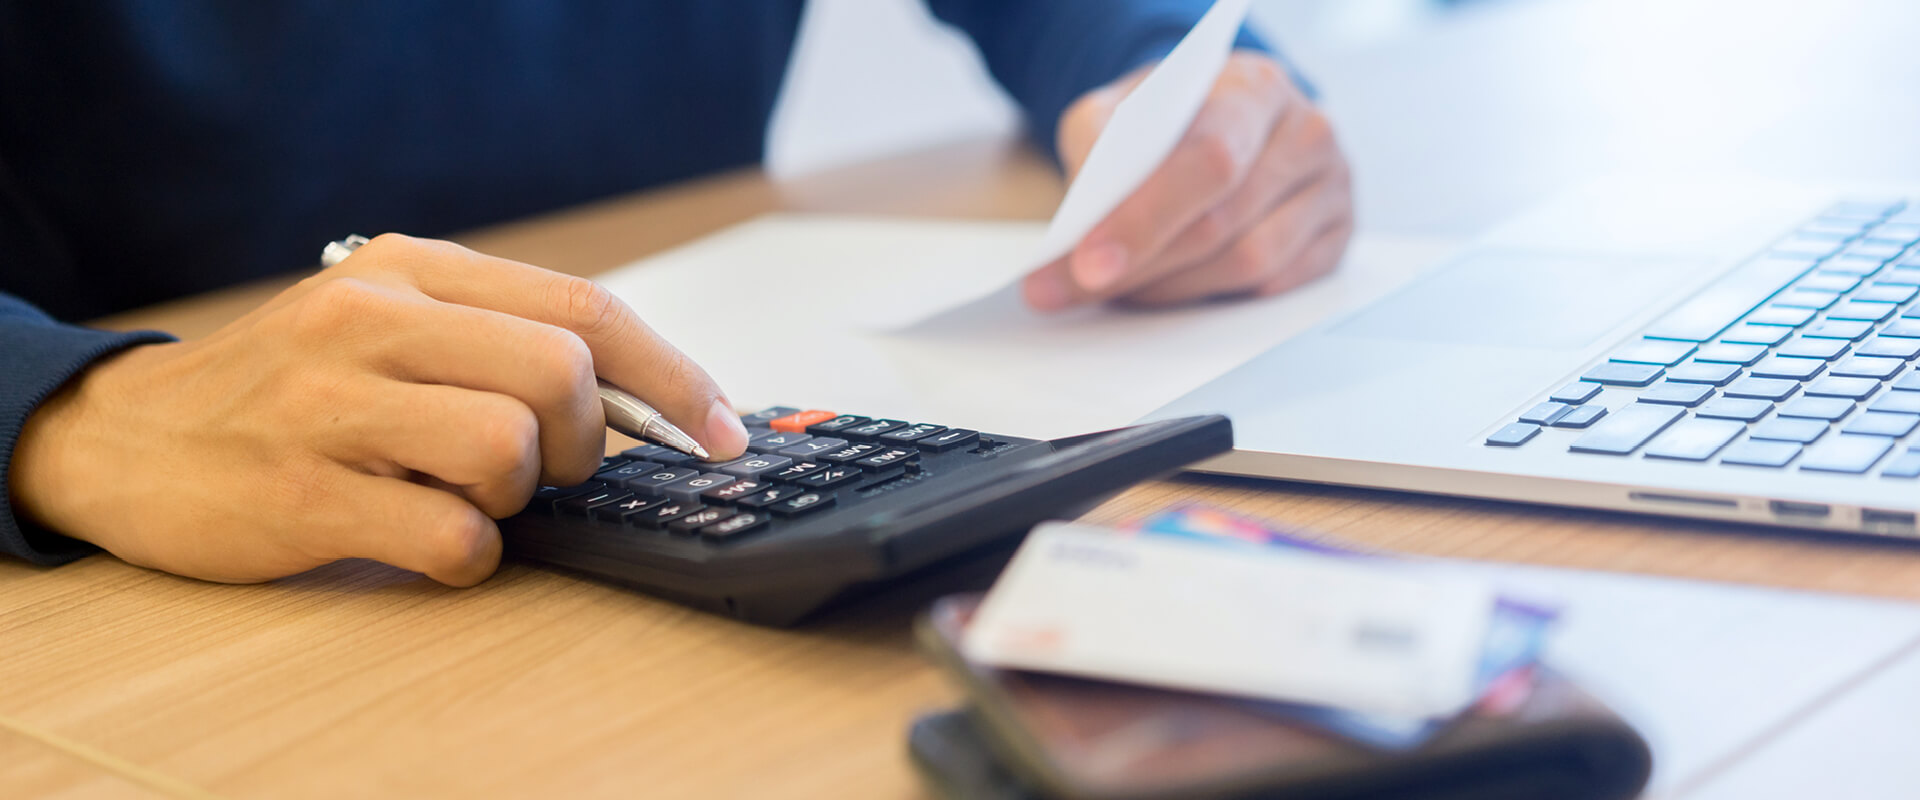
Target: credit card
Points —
{"points": [[1274, 623]]}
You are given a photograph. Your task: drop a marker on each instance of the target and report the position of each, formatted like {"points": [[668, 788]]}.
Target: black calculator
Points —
{"points": [[824, 502]]}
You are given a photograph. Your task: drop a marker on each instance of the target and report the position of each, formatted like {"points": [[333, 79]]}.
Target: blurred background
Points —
{"points": [[1455, 113]]}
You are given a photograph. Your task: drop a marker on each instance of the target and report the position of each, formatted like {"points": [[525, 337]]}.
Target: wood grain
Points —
{"points": [[358, 679]]}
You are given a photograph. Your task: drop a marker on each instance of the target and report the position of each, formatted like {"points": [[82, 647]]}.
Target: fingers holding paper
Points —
{"points": [[1256, 198]]}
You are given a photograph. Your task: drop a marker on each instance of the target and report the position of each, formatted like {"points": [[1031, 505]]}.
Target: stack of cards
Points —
{"points": [[1374, 649]]}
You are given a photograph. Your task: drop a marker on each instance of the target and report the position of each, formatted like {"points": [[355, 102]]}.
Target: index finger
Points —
{"points": [[626, 351]]}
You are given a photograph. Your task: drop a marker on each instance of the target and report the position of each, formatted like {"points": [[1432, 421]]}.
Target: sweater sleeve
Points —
{"points": [[1047, 53], [37, 357]]}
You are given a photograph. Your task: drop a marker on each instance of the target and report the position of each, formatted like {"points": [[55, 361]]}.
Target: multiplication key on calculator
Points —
{"points": [[825, 501]]}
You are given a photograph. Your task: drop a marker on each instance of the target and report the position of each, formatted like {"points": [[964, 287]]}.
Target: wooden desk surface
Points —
{"points": [[357, 678]]}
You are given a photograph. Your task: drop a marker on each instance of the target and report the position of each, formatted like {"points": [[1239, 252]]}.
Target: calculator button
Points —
{"points": [[769, 496], [631, 469], [890, 457], [1578, 392], [872, 428], [582, 505], [1849, 454], [692, 487], [775, 440], [661, 515], [545, 496], [813, 447], [796, 471], [802, 503], [665, 456], [911, 433], [651, 482], [948, 440], [700, 519], [836, 424], [852, 452], [764, 416], [831, 476], [732, 492], [756, 466], [745, 522], [798, 422], [620, 510]]}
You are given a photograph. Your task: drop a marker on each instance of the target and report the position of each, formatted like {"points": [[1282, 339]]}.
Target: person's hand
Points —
{"points": [[386, 408], [1255, 199]]}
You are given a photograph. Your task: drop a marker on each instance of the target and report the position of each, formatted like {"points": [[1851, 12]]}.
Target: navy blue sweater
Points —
{"points": [[156, 148]]}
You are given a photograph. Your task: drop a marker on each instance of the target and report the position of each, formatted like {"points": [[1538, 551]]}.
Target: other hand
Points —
{"points": [[1255, 199], [390, 407]]}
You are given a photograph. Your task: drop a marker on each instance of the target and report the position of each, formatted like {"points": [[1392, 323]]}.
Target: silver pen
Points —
{"points": [[625, 413]]}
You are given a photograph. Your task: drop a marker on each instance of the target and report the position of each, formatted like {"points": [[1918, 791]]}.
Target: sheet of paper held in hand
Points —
{"points": [[1145, 127]]}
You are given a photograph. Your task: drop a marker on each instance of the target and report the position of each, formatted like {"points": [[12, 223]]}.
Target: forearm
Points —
{"points": [[39, 356]]}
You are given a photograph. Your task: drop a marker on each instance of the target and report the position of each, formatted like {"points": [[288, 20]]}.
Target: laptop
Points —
{"points": [[1721, 351]]}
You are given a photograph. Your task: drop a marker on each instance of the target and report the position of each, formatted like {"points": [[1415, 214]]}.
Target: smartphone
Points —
{"points": [[1054, 736]]}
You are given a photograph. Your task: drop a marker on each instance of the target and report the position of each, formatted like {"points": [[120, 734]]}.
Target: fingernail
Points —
{"points": [[726, 437], [1048, 291], [1100, 266]]}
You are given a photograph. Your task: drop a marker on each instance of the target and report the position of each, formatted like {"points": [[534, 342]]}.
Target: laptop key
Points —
{"points": [[1623, 431], [1868, 367], [1798, 369], [1890, 347], [1754, 453], [1851, 330], [1703, 372], [1909, 382], [1880, 423], [1727, 299], [1513, 434], [1694, 439], [1545, 413], [1828, 282], [1886, 293], [1902, 328], [1762, 388], [1851, 388], [1903, 275], [1845, 453], [1823, 408], [1678, 394], [1852, 265], [1740, 408], [1907, 465], [1575, 393], [1665, 352], [1768, 335], [1722, 352], [1897, 403], [1585, 416], [1806, 298], [1781, 315], [1615, 373], [1856, 310], [1790, 430], [1803, 347]]}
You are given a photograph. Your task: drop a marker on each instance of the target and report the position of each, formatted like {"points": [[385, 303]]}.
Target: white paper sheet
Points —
{"points": [[763, 307], [1143, 130]]}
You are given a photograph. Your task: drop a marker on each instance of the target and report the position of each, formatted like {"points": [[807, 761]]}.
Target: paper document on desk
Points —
{"points": [[763, 307], [1144, 128]]}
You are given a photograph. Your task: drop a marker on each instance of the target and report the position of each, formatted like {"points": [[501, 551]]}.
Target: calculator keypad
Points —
{"points": [[799, 462]]}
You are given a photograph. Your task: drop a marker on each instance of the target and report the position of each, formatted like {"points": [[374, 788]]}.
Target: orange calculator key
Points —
{"points": [[797, 423]]}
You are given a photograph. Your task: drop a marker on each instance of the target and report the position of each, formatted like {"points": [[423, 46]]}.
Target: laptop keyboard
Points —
{"points": [[1802, 358]]}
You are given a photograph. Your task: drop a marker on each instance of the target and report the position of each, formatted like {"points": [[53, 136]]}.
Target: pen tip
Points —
{"points": [[700, 453]]}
